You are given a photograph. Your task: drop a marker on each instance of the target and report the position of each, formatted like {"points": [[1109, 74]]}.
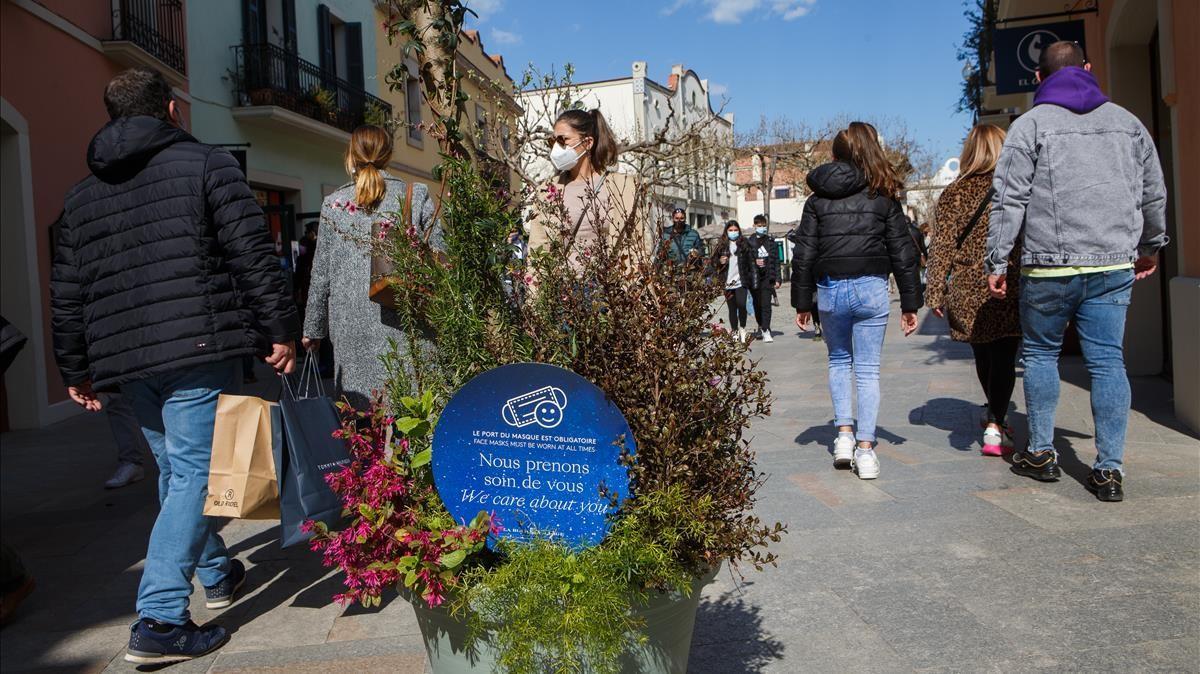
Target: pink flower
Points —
{"points": [[351, 207]]}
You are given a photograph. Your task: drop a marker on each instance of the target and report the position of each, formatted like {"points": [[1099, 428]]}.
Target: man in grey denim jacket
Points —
{"points": [[1080, 179]]}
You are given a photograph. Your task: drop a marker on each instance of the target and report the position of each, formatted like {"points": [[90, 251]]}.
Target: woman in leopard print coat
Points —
{"points": [[958, 283]]}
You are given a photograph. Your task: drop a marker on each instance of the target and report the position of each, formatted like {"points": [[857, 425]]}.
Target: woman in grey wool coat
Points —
{"points": [[339, 306]]}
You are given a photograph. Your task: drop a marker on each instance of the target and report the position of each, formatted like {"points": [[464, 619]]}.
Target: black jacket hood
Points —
{"points": [[125, 144], [836, 180]]}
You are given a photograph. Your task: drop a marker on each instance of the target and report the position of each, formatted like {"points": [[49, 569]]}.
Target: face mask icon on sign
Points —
{"points": [[543, 407]]}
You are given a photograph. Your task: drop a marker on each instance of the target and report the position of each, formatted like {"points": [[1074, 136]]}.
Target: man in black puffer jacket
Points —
{"points": [[860, 234], [164, 277]]}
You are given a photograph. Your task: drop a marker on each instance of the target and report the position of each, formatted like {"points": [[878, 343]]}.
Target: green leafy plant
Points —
{"points": [[642, 331], [377, 115]]}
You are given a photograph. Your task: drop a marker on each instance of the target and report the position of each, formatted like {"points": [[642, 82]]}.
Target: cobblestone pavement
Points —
{"points": [[947, 562]]}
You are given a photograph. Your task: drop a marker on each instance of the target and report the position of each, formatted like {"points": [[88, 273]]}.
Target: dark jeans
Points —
{"points": [[996, 366], [736, 299], [762, 305], [1098, 303]]}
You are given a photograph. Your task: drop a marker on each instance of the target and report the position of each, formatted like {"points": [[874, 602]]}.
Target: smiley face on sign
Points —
{"points": [[537, 445]]}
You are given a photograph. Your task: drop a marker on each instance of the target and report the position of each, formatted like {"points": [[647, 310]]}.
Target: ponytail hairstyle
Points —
{"points": [[858, 144], [591, 124], [369, 153]]}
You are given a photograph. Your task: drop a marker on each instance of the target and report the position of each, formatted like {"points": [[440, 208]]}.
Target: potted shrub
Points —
{"points": [[644, 334]]}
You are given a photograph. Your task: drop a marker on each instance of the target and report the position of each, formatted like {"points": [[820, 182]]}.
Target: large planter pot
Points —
{"points": [[669, 621]]}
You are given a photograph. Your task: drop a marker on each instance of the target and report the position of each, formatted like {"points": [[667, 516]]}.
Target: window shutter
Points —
{"points": [[328, 60], [289, 26], [254, 22], [354, 55]]}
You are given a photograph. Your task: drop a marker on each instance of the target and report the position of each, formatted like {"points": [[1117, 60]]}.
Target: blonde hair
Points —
{"points": [[369, 153], [981, 151]]}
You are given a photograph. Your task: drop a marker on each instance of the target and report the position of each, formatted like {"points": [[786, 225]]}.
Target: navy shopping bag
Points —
{"points": [[309, 453]]}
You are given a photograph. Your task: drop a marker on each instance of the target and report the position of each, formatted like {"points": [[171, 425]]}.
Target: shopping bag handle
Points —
{"points": [[308, 380]]}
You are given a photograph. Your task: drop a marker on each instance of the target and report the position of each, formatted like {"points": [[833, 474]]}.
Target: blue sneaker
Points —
{"points": [[221, 595], [148, 646]]}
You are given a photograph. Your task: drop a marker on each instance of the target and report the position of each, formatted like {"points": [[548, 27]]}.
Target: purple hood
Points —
{"points": [[1072, 88]]}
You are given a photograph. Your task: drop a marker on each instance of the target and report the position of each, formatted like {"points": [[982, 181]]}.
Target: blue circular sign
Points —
{"points": [[535, 444]]}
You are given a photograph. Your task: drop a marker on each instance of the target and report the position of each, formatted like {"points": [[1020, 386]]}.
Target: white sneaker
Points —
{"points": [[741, 335], [843, 451], [127, 474], [866, 464], [767, 336]]}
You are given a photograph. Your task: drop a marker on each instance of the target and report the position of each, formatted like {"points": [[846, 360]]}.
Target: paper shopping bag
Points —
{"points": [[242, 481]]}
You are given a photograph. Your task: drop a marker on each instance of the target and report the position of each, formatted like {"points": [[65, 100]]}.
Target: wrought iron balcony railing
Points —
{"points": [[156, 26], [271, 75]]}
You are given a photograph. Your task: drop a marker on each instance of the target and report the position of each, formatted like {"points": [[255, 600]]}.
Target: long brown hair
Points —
{"points": [[981, 151], [369, 153], [591, 124], [858, 144]]}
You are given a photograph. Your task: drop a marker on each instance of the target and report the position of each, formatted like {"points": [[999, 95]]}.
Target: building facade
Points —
{"points": [[282, 83], [768, 183], [1146, 57], [491, 113], [56, 56], [639, 109], [920, 198]]}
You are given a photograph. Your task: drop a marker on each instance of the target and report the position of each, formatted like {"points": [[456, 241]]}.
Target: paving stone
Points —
{"points": [[924, 569]]}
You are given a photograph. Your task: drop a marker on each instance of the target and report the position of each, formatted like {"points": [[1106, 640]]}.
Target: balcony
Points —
{"points": [[149, 33], [277, 86]]}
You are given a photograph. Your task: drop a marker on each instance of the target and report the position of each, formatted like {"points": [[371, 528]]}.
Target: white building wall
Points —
{"points": [[785, 213]]}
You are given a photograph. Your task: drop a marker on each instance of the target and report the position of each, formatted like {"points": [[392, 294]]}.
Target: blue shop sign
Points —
{"points": [[1018, 50], [538, 445]]}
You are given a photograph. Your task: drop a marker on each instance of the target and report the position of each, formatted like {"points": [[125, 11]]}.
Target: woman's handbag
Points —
{"points": [[383, 272]]}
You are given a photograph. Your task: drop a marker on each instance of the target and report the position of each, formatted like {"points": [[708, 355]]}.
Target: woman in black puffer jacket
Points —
{"points": [[851, 236]]}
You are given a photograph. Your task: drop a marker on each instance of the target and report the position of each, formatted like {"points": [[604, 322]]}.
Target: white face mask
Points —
{"points": [[564, 158]]}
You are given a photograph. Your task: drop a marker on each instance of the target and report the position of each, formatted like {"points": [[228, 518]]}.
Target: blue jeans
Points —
{"points": [[1098, 303], [177, 411], [854, 318]]}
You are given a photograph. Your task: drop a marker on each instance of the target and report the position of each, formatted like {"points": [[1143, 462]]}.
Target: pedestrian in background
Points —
{"points": [[958, 283], [1079, 181], [339, 302], [732, 265], [164, 277], [766, 272], [131, 442], [852, 237], [680, 242], [599, 203]]}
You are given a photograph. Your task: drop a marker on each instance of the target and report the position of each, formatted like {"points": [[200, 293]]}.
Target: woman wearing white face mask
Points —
{"points": [[732, 265], [599, 205]]}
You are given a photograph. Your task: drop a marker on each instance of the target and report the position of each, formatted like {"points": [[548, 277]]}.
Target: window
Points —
{"points": [[481, 127], [782, 193], [412, 101]]}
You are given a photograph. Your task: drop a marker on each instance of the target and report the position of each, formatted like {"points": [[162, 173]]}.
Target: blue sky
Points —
{"points": [[805, 59]]}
